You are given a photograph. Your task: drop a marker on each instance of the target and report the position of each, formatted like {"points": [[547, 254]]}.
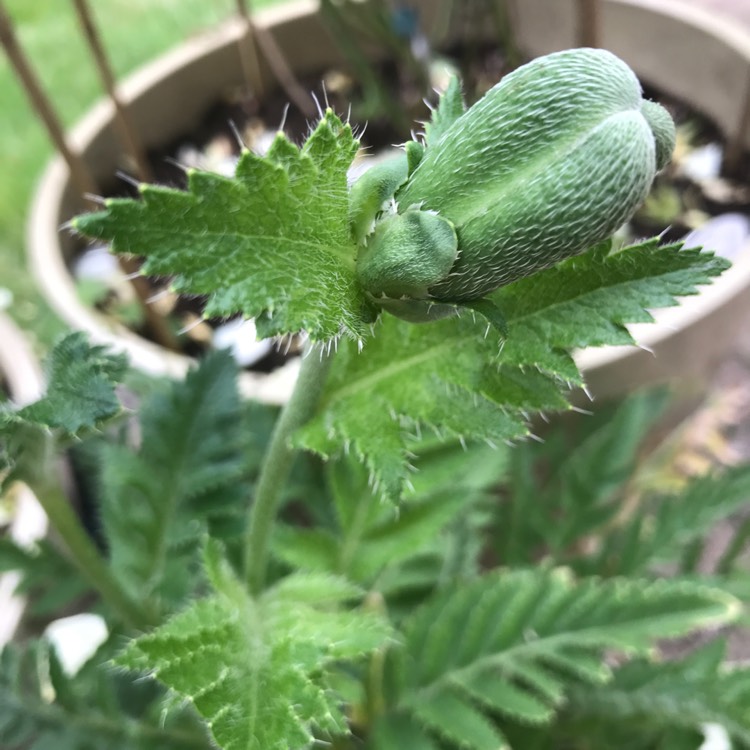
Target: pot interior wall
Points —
{"points": [[682, 50]]}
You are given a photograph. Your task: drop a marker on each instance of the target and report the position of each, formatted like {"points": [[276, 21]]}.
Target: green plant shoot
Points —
{"points": [[278, 603]]}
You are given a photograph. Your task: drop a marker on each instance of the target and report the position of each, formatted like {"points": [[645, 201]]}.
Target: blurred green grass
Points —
{"points": [[134, 31]]}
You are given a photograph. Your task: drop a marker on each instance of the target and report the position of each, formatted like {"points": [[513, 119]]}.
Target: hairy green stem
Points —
{"points": [[277, 463], [86, 557]]}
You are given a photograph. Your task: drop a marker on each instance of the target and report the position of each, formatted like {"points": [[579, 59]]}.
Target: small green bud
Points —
{"points": [[406, 254]]}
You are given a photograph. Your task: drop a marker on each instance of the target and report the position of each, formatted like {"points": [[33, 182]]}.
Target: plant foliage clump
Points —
{"points": [[378, 565]]}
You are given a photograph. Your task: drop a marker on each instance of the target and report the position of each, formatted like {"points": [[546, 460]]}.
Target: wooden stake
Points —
{"points": [[79, 171], [122, 116], [736, 144], [275, 58], [589, 23], [249, 52]]}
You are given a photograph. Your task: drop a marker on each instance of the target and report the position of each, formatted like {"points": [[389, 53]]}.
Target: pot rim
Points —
{"points": [[48, 267]]}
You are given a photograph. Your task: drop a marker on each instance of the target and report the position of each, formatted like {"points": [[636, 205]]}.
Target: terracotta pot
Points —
{"points": [[23, 383], [685, 52]]}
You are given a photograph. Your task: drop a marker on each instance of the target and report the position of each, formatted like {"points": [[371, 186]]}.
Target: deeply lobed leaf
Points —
{"points": [[683, 693], [80, 397], [588, 300], [159, 500], [256, 669], [43, 707], [563, 493], [80, 393], [271, 243], [666, 525], [513, 643], [368, 539]]}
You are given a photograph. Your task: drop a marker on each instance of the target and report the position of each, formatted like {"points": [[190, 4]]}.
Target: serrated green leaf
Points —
{"points": [[453, 718], [255, 669], [531, 636], [665, 525], [272, 243], [505, 698], [589, 299], [569, 489], [307, 549], [41, 707], [80, 397], [399, 731], [453, 375], [81, 389], [317, 589], [158, 502], [366, 536], [443, 375]]}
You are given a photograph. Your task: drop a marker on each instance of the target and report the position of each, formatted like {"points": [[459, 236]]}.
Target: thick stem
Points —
{"points": [[86, 558], [277, 463]]}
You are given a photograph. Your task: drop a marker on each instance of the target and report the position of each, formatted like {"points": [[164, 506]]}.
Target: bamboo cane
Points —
{"points": [[79, 172]]}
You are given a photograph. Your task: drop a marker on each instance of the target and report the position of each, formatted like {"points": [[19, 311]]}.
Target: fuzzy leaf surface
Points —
{"points": [[454, 376], [255, 669], [450, 107], [272, 242], [80, 397], [443, 375], [672, 694], [512, 644], [589, 299]]}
